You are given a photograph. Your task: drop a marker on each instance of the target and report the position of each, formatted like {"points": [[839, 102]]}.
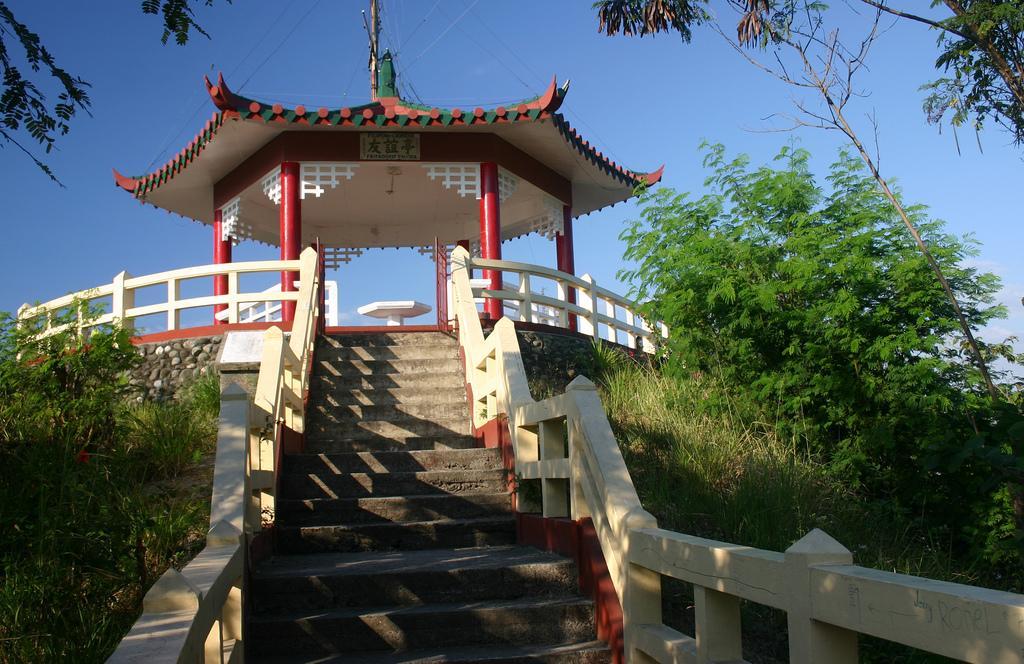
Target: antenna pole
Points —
{"points": [[374, 30]]}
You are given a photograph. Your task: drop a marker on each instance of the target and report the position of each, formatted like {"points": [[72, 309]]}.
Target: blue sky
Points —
{"points": [[643, 101]]}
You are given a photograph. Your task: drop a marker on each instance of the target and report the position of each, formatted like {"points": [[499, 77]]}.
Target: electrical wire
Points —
{"points": [[282, 42], [443, 33], [203, 102]]}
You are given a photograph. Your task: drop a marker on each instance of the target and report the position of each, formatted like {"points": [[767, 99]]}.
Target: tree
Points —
{"points": [[811, 299], [809, 57], [981, 43], [25, 110]]}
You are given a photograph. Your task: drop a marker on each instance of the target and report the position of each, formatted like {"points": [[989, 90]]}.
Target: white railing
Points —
{"points": [[599, 312], [195, 615], [122, 295], [828, 600], [270, 312]]}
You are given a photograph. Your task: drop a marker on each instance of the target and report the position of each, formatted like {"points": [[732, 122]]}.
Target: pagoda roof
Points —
{"points": [[242, 125]]}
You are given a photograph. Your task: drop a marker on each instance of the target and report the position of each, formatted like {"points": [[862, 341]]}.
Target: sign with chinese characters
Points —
{"points": [[389, 146]]}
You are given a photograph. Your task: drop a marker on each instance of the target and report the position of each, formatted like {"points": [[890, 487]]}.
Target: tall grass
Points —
{"points": [[708, 464], [83, 535]]}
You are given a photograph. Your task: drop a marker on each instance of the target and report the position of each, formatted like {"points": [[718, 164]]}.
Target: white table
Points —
{"points": [[395, 311]]}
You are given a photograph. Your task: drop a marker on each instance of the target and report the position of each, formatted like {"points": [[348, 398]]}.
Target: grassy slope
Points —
{"points": [[81, 541], [720, 471]]}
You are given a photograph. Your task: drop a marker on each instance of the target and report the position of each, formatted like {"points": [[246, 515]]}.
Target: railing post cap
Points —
{"points": [[586, 277], [172, 592], [581, 383], [122, 275], [460, 251], [233, 392], [272, 332], [817, 543], [222, 533]]}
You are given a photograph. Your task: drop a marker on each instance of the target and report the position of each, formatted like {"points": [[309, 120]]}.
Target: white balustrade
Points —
{"points": [[828, 600], [595, 308], [195, 615], [122, 293]]}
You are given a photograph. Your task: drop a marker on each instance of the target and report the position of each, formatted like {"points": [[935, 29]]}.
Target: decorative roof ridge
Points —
{"points": [[596, 157], [386, 111]]}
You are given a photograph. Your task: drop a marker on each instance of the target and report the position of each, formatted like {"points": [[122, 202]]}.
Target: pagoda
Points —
{"points": [[388, 173]]}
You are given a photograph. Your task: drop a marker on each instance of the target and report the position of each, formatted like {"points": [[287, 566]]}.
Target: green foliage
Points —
{"points": [[178, 16], [23, 106], [23, 102], [814, 301], [981, 44], [99, 495], [982, 55], [726, 473], [55, 387]]}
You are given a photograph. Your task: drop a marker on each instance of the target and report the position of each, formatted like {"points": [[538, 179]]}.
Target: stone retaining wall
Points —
{"points": [[553, 360], [167, 366]]}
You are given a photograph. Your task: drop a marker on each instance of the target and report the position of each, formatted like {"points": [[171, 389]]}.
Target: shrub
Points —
{"points": [[83, 529], [815, 301]]}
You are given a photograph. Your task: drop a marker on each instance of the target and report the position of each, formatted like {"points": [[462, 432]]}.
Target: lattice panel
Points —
{"points": [[335, 256], [463, 178], [507, 184], [231, 225], [550, 221], [317, 176], [428, 250], [271, 184]]}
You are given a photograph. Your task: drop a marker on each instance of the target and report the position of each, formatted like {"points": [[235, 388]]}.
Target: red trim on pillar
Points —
{"points": [[566, 257], [221, 254], [291, 230], [490, 232]]}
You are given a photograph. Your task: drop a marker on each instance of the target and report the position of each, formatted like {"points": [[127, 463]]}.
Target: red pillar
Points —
{"points": [[490, 232], [221, 254], [291, 231], [566, 256]]}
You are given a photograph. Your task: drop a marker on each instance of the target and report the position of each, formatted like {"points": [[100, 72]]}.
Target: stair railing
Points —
{"points": [[567, 443], [195, 615]]}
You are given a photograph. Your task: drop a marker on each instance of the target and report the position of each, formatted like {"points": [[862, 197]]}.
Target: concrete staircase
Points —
{"points": [[395, 537]]}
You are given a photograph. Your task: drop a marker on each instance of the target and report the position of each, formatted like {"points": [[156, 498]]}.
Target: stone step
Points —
{"points": [[393, 395], [313, 512], [388, 339], [338, 443], [329, 382], [350, 631], [386, 367], [441, 534], [588, 652], [330, 411], [320, 428], [402, 578], [406, 352], [298, 485], [392, 462]]}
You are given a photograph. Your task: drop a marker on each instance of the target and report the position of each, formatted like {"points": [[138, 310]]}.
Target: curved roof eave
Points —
{"points": [[387, 112]]}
